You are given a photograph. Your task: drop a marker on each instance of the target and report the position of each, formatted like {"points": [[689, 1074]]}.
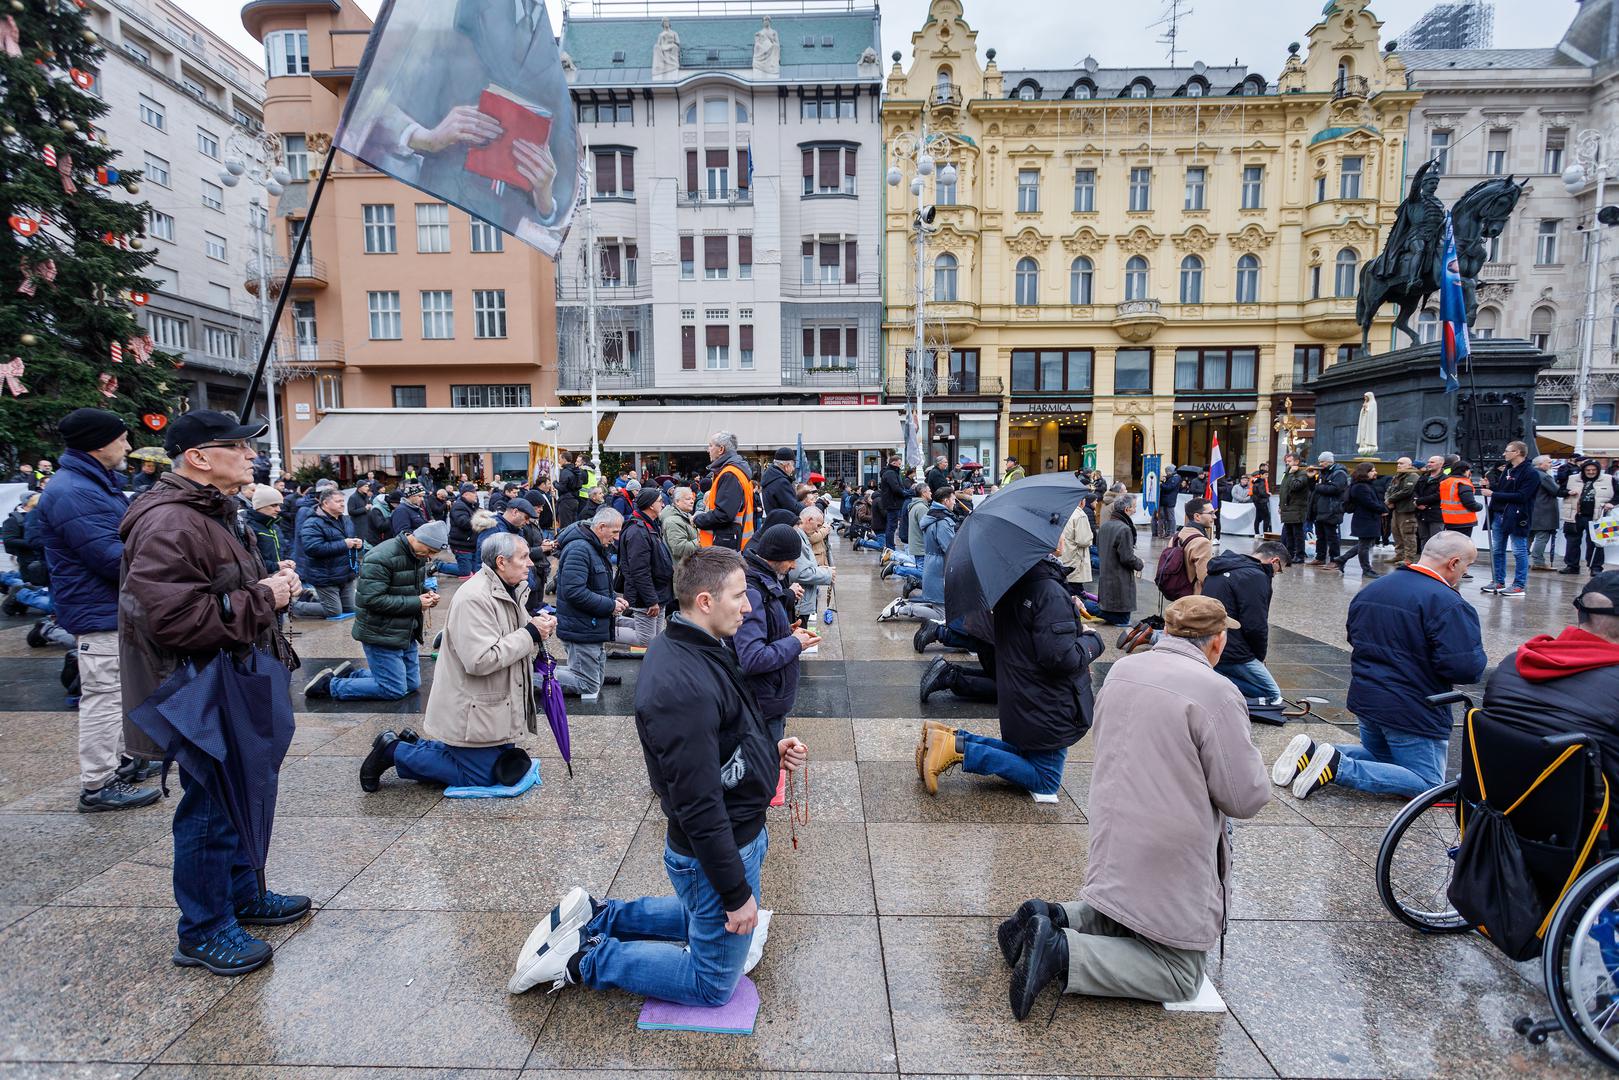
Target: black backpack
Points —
{"points": [[1173, 577]]}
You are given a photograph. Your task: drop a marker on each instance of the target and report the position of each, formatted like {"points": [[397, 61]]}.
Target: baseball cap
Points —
{"points": [[1197, 616], [435, 535], [195, 428], [1603, 584], [522, 506], [468, 486]]}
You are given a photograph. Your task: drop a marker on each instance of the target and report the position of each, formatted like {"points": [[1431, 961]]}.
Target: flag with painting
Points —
{"points": [[1453, 346], [465, 100]]}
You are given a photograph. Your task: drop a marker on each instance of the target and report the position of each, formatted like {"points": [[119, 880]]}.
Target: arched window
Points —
{"points": [[1428, 325], [1080, 276], [691, 113], [1082, 92], [1191, 280], [1253, 87], [1194, 89], [1484, 326], [1345, 70], [1540, 327], [1028, 282], [1344, 269], [944, 277], [1138, 90], [944, 77], [1248, 279], [1027, 92], [741, 113], [1135, 278]]}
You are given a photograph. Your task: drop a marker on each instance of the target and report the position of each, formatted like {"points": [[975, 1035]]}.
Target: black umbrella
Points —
{"points": [[228, 723], [1190, 470], [1006, 533]]}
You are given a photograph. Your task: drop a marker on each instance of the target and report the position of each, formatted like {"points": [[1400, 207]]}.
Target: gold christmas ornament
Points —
{"points": [[7, 129], [133, 188], [18, 5], [89, 35], [68, 126], [101, 137], [135, 243], [27, 339]]}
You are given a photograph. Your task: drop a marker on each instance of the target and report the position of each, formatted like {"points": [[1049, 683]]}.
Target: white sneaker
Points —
{"points": [[552, 943], [1292, 761]]}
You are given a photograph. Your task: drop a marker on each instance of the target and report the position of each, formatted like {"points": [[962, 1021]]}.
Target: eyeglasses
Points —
{"points": [[239, 445]]}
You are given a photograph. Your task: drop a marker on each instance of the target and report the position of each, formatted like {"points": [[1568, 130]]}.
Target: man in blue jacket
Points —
{"points": [[330, 554], [586, 605], [1512, 498], [769, 644], [1412, 636], [78, 515]]}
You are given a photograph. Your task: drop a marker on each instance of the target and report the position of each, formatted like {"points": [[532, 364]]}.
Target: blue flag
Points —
{"points": [[1453, 347]]}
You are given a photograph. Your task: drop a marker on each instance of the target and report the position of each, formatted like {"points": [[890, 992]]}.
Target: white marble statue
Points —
{"points": [[766, 49], [666, 53], [1366, 430]]}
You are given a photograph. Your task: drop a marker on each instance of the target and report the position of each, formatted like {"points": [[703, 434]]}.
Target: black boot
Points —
{"points": [[1012, 933], [378, 761], [937, 677], [925, 635], [1045, 958]]}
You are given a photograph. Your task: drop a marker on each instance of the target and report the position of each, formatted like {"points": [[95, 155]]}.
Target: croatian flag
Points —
{"points": [[1453, 348], [1216, 473]]}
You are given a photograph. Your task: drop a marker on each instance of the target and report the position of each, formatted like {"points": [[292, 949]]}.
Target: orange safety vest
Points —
{"points": [[705, 537], [1450, 502]]}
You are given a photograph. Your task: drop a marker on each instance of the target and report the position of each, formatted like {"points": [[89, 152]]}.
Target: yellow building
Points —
{"points": [[1137, 258]]}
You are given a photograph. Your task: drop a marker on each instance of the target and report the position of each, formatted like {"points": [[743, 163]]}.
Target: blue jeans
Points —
{"points": [[1500, 532], [674, 948], [913, 571], [452, 766], [389, 675], [466, 563], [1039, 771], [1253, 678], [1389, 762], [210, 878], [890, 528]]}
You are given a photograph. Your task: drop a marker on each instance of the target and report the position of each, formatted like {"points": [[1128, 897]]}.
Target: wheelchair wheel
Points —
{"points": [[1581, 962], [1415, 862]]}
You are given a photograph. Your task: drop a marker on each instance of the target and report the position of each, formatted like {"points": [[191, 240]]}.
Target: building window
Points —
{"points": [[716, 258], [1026, 92], [1132, 371], [1349, 178], [1603, 413], [328, 392], [744, 257], [160, 225], [1306, 363], [744, 335], [217, 341], [486, 237], [169, 332], [219, 295], [489, 313], [828, 170], [606, 112], [1315, 282], [1051, 371], [1484, 325], [1320, 189], [1028, 191], [1081, 275], [1138, 90], [139, 52], [1439, 150], [491, 396], [213, 245], [1546, 242], [157, 170], [621, 350], [304, 329], [1197, 178], [213, 196], [383, 308], [1191, 280], [618, 263], [718, 172], [964, 372], [295, 151], [286, 52], [1253, 187], [716, 110], [410, 397], [1028, 282], [1248, 280], [381, 234], [1492, 247], [1556, 142], [718, 341], [944, 194], [1084, 191], [438, 314], [1216, 369], [944, 277], [1495, 157], [826, 109], [153, 113], [432, 228], [829, 261], [1140, 189], [615, 174], [207, 144], [688, 258], [830, 348], [1540, 327], [1135, 278], [1344, 270]]}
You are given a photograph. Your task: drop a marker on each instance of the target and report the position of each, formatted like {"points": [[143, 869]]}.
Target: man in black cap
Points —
{"points": [[769, 643], [463, 541], [777, 485], [78, 518], [193, 585]]}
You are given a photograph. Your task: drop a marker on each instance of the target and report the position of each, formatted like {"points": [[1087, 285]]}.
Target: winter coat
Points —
{"points": [[569, 480], [359, 515], [1169, 489], [1174, 760], [1512, 498], [937, 478], [585, 599], [462, 535], [1411, 636], [1327, 501], [938, 533], [1042, 662], [266, 530], [1243, 584], [777, 491], [1580, 700], [817, 539], [812, 575], [436, 510], [1401, 494], [1116, 549], [545, 508], [1603, 484], [1077, 538], [77, 518], [191, 586], [407, 518], [1294, 493], [483, 683], [914, 514], [1425, 499], [646, 569], [892, 490], [1365, 511], [709, 756], [388, 596], [678, 532], [729, 497], [765, 646], [327, 559], [1196, 549], [142, 481], [1544, 514]]}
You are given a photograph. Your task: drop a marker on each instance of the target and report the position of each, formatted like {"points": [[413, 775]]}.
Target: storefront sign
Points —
{"points": [[1215, 405], [849, 399], [301, 410], [1051, 407]]}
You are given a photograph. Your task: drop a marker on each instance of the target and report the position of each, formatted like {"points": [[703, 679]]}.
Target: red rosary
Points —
{"points": [[797, 811]]}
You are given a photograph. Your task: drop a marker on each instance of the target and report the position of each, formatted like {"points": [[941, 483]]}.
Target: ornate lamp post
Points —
{"points": [[1591, 154], [924, 156]]}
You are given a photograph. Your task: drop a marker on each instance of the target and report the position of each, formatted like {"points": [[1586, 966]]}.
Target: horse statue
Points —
{"points": [[1477, 218]]}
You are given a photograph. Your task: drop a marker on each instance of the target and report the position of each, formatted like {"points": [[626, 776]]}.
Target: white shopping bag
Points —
{"points": [[756, 947]]}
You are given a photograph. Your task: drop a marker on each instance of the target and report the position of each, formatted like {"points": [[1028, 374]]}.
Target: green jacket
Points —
{"points": [[1402, 493], [387, 598], [1293, 496], [678, 532]]}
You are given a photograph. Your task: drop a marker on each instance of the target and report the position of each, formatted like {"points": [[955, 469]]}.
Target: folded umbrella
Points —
{"points": [[556, 709], [1006, 533]]}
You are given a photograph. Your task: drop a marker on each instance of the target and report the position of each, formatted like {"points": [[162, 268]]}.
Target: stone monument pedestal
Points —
{"points": [[1495, 405]]}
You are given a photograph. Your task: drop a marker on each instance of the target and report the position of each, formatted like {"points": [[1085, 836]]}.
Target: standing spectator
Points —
{"points": [[768, 645], [1077, 537], [645, 567], [144, 479], [678, 530], [1512, 503], [359, 513], [192, 586], [1410, 637], [1365, 520], [810, 573], [776, 483], [1544, 515], [43, 471], [1294, 495], [727, 518], [1327, 506], [331, 561], [77, 520], [1011, 471], [892, 493], [1380, 487], [1169, 491], [410, 515], [1590, 496], [463, 539], [939, 475], [586, 605], [1401, 499], [570, 478], [1119, 563], [264, 521], [1242, 583], [1425, 497], [542, 496], [391, 603], [1259, 495], [1458, 503]]}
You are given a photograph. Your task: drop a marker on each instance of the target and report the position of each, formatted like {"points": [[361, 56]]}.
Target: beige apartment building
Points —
{"points": [[400, 301], [1138, 259]]}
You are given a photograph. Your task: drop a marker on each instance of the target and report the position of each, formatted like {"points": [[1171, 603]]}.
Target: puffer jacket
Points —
{"points": [[328, 560], [407, 518], [77, 518], [1603, 486], [1294, 493], [388, 596], [776, 491], [267, 532], [585, 599], [1327, 500], [765, 646], [462, 535], [678, 532], [645, 567], [1042, 662], [938, 532], [1243, 584]]}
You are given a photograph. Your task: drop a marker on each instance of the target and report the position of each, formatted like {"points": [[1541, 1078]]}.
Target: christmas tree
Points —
{"points": [[71, 254]]}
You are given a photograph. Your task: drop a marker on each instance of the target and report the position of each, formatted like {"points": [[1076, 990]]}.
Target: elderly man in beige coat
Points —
{"points": [[1077, 538], [1173, 761], [483, 686]]}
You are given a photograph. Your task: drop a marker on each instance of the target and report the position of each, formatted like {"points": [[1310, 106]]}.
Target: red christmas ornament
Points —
{"points": [[155, 421], [109, 385], [139, 299], [23, 226], [81, 78], [49, 154], [117, 352]]}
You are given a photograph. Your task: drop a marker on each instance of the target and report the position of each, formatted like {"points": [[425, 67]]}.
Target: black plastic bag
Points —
{"points": [[1491, 886]]}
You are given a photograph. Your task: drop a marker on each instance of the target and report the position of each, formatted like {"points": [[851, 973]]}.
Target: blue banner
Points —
{"points": [[1150, 465]]}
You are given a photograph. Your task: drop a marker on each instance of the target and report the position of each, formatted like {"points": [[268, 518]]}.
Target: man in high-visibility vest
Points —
{"points": [[1457, 502], [727, 516]]}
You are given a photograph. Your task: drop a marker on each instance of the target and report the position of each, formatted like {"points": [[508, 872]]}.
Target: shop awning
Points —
{"points": [[1558, 440], [443, 431], [824, 427]]}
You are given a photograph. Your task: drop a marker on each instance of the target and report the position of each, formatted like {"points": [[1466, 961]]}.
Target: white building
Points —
{"points": [[177, 93]]}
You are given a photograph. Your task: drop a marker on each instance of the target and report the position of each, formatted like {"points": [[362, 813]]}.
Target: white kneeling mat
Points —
{"points": [[1043, 798], [1208, 999]]}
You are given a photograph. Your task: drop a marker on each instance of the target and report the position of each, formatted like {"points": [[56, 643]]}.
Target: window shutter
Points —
{"points": [[809, 249], [852, 334], [719, 335], [609, 263], [809, 344], [714, 252], [809, 164], [849, 153], [626, 165], [605, 168], [745, 334], [744, 249], [742, 168], [688, 348], [850, 270], [829, 341], [691, 170], [632, 252], [718, 159], [829, 169], [688, 247], [829, 254]]}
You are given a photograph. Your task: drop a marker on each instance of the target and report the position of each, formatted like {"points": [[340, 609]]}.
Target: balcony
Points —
{"points": [[954, 385], [1331, 318], [1352, 86], [311, 274], [635, 373], [945, 94], [627, 287], [1498, 271], [290, 352], [843, 371], [711, 197], [1138, 320]]}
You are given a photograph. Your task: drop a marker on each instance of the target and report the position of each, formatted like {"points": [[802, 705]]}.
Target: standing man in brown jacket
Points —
{"points": [[192, 585], [1173, 761]]}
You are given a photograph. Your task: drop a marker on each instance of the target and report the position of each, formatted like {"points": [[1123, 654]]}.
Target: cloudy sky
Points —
{"points": [[1031, 34]]}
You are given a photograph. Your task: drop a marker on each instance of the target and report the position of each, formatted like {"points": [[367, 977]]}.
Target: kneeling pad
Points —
{"points": [[735, 1017], [497, 791]]}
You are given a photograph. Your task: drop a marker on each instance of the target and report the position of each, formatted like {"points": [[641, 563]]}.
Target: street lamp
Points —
{"points": [[1590, 161], [926, 155], [258, 160]]}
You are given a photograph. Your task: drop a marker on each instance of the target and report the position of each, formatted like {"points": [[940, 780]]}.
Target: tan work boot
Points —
{"points": [[940, 756], [922, 742]]}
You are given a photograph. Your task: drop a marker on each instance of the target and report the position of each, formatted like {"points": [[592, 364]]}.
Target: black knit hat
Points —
{"points": [[647, 496], [777, 544], [90, 429], [785, 453]]}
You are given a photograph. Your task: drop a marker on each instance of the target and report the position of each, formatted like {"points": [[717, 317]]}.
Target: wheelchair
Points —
{"points": [[1557, 801]]}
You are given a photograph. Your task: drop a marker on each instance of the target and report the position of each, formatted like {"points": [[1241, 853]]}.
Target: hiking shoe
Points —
{"points": [[922, 741], [321, 685], [134, 770], [888, 570], [1135, 637], [1012, 933], [1493, 587], [1292, 761], [940, 754], [934, 679], [1044, 959], [378, 761], [116, 794], [1318, 773], [1512, 592], [36, 635], [273, 909], [925, 635], [555, 941], [232, 951]]}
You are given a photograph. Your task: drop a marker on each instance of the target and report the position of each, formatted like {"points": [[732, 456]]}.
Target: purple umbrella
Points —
{"points": [[556, 710]]}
